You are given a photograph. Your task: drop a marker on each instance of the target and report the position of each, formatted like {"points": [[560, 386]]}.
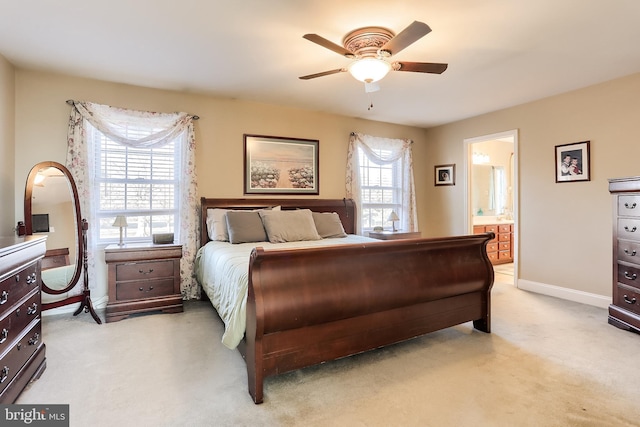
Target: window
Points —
{"points": [[379, 190], [140, 183]]}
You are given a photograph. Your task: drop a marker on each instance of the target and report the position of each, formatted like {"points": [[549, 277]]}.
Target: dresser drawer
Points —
{"points": [[504, 237], [629, 251], [492, 247], [629, 275], [504, 255], [146, 289], [504, 246], [144, 270], [16, 356], [491, 229], [504, 228], [15, 321], [628, 298], [16, 286], [493, 256], [629, 228], [629, 205]]}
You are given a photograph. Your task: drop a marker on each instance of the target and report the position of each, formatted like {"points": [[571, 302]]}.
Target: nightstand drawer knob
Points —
{"points": [[145, 272], [630, 276], [142, 289], [629, 301], [630, 206], [632, 253], [630, 230]]}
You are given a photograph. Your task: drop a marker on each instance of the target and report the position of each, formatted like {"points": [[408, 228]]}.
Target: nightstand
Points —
{"points": [[395, 235], [143, 277]]}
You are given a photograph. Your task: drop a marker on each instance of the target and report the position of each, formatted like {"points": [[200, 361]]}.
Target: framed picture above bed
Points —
{"points": [[279, 165]]}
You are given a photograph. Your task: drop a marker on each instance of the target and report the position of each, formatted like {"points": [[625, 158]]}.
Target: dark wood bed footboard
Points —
{"points": [[308, 306]]}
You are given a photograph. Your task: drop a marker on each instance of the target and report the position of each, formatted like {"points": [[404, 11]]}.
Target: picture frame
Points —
{"points": [[280, 165], [445, 174], [573, 162]]}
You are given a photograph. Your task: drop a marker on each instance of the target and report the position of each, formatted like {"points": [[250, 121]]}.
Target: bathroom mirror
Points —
{"points": [[51, 207], [491, 195]]}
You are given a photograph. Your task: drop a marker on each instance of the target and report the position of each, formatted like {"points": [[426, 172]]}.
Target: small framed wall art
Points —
{"points": [[445, 174], [573, 162]]}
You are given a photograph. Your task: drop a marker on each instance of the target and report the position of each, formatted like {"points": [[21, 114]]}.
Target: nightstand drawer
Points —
{"points": [[144, 289], [144, 270]]}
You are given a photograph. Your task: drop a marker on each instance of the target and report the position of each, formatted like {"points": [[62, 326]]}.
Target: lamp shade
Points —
{"points": [[393, 216], [121, 221], [369, 70]]}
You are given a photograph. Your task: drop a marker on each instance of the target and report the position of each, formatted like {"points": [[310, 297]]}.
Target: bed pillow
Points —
{"points": [[245, 227], [217, 223], [289, 226], [328, 224]]}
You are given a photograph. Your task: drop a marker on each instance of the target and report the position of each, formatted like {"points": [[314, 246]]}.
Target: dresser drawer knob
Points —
{"points": [[630, 206], [4, 374], [630, 230], [34, 339], [146, 272], [632, 253], [630, 276], [31, 278], [4, 297], [32, 309], [629, 301], [4, 335]]}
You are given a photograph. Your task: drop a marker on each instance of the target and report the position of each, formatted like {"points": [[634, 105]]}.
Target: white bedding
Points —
{"points": [[222, 269], [57, 278]]}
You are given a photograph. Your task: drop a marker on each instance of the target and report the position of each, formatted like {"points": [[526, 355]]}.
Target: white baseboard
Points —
{"points": [[565, 293]]}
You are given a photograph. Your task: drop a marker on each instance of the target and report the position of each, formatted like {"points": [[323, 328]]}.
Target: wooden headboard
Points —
{"points": [[345, 208]]}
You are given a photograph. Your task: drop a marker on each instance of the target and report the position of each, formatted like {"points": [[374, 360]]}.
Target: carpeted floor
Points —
{"points": [[548, 362]]}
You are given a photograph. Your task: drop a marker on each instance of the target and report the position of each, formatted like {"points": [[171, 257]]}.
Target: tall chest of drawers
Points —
{"points": [[624, 311], [22, 352]]}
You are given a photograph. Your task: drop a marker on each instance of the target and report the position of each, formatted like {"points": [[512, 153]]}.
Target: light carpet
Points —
{"points": [[547, 362]]}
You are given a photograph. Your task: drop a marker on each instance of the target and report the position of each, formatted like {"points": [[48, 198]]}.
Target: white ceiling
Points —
{"points": [[500, 52]]}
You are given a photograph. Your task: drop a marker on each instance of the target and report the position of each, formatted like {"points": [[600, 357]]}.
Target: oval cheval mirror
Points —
{"points": [[51, 207]]}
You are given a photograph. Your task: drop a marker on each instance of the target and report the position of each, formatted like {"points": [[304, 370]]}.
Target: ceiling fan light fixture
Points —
{"points": [[369, 70]]}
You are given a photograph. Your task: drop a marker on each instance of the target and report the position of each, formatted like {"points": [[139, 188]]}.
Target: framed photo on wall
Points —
{"points": [[573, 162], [445, 174], [278, 165]]}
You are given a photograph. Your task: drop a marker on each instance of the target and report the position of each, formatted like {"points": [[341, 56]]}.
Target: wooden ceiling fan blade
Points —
{"points": [[324, 73], [420, 67], [329, 45], [415, 31]]}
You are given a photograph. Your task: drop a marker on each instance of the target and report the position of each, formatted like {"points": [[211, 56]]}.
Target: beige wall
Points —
{"points": [[7, 147], [565, 229], [42, 116]]}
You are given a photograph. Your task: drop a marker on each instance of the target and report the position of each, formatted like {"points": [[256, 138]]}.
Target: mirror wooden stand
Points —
{"points": [[51, 206]]}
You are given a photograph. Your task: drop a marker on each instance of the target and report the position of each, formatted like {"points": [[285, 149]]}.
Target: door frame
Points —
{"points": [[468, 217]]}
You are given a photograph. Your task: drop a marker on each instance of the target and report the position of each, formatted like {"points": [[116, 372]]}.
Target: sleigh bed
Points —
{"points": [[307, 305]]}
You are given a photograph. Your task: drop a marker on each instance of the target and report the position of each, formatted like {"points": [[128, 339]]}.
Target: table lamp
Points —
{"points": [[121, 222], [393, 217]]}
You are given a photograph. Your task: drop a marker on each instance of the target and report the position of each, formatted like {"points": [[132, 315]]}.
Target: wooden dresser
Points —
{"points": [[624, 311], [500, 249], [22, 352], [143, 278]]}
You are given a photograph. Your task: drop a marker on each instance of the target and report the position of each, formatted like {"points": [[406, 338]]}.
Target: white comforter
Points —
{"points": [[222, 269]]}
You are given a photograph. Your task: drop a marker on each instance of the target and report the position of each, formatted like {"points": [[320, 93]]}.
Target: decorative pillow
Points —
{"points": [[217, 222], [245, 226], [328, 224], [289, 226]]}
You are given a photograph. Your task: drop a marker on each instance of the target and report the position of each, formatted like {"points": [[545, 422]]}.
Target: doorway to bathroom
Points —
{"points": [[492, 197]]}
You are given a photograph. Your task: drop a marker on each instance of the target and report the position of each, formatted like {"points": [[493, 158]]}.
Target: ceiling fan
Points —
{"points": [[370, 47]]}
